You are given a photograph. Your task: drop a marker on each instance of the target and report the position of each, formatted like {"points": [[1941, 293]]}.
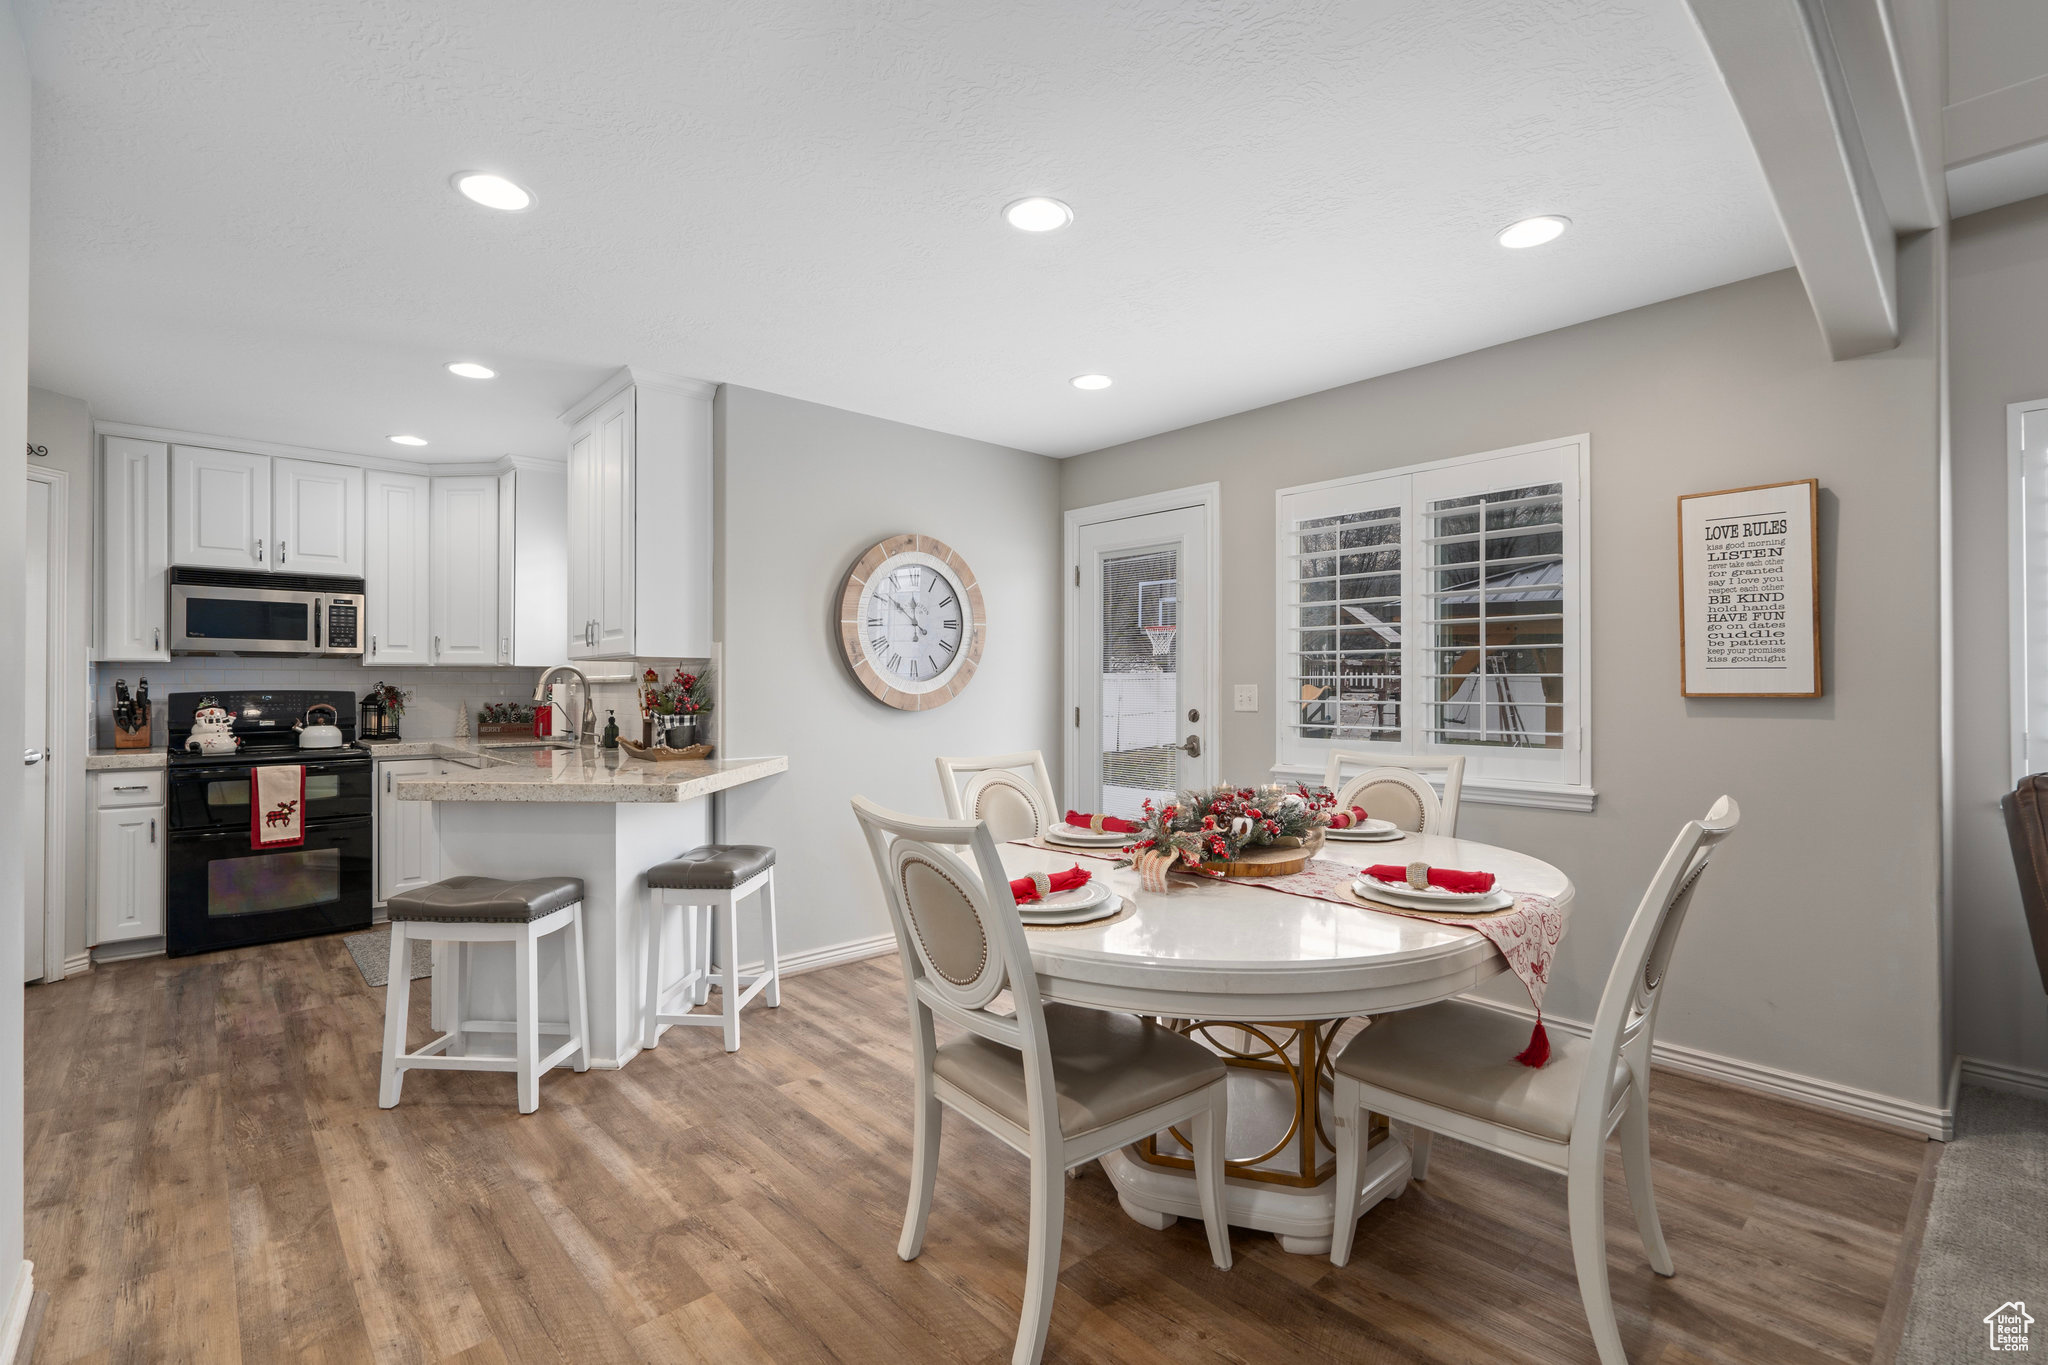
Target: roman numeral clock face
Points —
{"points": [[910, 619]]}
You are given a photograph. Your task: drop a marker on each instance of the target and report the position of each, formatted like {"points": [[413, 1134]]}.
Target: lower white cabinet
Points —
{"points": [[128, 833], [408, 834]]}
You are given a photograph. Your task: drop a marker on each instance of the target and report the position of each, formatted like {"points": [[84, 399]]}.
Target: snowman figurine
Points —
{"points": [[213, 730]]}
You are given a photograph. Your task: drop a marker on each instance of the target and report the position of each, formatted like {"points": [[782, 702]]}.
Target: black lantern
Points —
{"points": [[379, 721]]}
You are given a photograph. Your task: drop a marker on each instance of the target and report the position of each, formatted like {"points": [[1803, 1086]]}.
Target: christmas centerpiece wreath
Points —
{"points": [[1205, 829]]}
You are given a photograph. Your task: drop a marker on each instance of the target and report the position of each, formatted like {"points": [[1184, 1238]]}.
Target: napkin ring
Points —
{"points": [[1040, 884], [1095, 822], [1418, 876]]}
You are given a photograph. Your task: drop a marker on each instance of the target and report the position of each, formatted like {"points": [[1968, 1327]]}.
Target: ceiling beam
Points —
{"points": [[1800, 72]]}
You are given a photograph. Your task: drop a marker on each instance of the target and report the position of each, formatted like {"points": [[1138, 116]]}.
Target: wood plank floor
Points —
{"points": [[209, 1179]]}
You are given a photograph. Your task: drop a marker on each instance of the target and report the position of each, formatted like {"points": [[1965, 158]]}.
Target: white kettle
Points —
{"points": [[326, 736]]}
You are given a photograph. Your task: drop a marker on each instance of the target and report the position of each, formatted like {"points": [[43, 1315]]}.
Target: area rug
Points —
{"points": [[1984, 1261], [372, 952]]}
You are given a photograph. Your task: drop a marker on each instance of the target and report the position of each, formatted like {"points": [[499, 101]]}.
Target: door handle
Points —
{"points": [[152, 829], [259, 549], [318, 607], [31, 757], [280, 552], [373, 646], [157, 637], [437, 646], [137, 787], [1191, 746]]}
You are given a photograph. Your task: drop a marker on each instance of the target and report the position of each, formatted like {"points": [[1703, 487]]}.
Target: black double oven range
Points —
{"points": [[220, 891]]}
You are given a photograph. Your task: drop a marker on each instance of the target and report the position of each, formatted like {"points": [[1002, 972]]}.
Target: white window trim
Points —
{"points": [[2019, 649], [1579, 795]]}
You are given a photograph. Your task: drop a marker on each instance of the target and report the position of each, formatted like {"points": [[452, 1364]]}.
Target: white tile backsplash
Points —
{"points": [[438, 694]]}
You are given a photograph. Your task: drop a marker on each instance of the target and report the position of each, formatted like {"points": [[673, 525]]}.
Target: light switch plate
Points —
{"points": [[1247, 698]]}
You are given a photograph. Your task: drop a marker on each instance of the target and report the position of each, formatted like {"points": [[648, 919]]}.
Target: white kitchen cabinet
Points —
{"points": [[317, 518], [220, 509], [462, 577], [639, 520], [135, 555], [128, 833], [408, 836], [533, 565], [396, 553]]}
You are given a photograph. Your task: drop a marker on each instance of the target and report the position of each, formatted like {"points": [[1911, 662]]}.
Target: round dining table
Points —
{"points": [[1268, 978]]}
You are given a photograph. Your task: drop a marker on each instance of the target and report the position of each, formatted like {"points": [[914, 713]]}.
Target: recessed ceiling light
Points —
{"points": [[492, 191], [408, 440], [1037, 214], [469, 369], [1534, 231], [1091, 381]]}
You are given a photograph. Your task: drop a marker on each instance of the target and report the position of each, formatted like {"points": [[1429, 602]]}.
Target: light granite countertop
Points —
{"points": [[447, 746], [99, 760], [579, 775]]}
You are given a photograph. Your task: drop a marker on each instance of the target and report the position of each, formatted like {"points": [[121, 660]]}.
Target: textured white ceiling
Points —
{"points": [[243, 222]]}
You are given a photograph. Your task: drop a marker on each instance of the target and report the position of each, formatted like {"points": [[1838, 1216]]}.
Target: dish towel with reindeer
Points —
{"points": [[277, 806]]}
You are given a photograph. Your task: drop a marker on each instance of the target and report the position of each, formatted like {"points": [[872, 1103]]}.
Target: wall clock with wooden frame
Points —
{"points": [[911, 621]]}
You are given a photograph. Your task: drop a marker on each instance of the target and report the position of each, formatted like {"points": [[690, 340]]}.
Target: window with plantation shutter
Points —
{"points": [[1438, 609]]}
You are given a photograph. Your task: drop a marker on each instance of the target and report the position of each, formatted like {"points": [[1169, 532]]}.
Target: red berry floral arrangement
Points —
{"points": [[1216, 824]]}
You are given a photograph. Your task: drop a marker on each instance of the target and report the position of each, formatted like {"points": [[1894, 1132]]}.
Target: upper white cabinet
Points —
{"points": [[533, 583], [235, 511], [220, 509], [463, 577], [317, 517], [395, 572], [135, 556], [639, 533]]}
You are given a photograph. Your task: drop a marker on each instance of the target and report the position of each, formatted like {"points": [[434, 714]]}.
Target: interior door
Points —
{"points": [[35, 813], [1140, 660]]}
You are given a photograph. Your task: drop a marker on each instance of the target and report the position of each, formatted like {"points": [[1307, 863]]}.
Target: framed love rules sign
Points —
{"points": [[1749, 591]]}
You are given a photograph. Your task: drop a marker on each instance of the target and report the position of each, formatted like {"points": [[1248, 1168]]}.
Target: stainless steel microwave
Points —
{"points": [[231, 611]]}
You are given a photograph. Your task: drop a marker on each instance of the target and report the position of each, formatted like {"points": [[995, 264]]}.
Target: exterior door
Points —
{"points": [[318, 517], [220, 509], [395, 572], [1140, 662], [463, 545]]}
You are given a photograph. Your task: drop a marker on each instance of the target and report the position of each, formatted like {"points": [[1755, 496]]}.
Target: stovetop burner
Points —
{"points": [[263, 721]]}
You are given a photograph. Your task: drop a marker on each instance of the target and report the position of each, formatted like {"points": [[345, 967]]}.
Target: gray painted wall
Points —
{"points": [[804, 490], [14, 187], [1998, 296], [1814, 947]]}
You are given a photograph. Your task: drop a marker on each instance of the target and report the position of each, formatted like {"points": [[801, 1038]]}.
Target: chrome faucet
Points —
{"points": [[540, 694]]}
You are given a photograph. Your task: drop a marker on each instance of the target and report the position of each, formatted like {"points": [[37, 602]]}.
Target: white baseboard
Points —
{"points": [[17, 1313], [1889, 1111], [2014, 1080], [75, 966], [127, 949], [853, 950]]}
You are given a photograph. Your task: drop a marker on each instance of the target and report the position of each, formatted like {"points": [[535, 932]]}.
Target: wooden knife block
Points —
{"points": [[132, 739]]}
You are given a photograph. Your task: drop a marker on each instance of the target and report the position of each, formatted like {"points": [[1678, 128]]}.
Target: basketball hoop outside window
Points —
{"points": [[1161, 638]]}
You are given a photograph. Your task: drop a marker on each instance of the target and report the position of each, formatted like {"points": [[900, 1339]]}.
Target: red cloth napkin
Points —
{"points": [[1025, 889], [1442, 878], [1110, 824], [1345, 819]]}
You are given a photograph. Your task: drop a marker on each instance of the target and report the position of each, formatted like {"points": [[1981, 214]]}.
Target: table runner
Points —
{"points": [[1526, 933]]}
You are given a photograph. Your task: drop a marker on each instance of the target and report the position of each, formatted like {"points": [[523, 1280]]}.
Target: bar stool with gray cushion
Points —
{"points": [[470, 910], [707, 884]]}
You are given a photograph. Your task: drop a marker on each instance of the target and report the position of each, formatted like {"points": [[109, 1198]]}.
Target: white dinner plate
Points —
{"points": [[1087, 838], [1450, 902], [1092, 892], [1371, 832], [1105, 909]]}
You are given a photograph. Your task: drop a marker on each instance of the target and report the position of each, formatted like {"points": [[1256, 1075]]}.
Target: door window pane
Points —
{"points": [[1140, 679]]}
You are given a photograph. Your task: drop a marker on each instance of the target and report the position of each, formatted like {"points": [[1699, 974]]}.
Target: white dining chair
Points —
{"points": [[1061, 1084], [1450, 1068], [1397, 794], [1013, 792], [1348, 765]]}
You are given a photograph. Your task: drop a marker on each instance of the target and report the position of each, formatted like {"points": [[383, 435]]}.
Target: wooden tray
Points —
{"points": [[1267, 861], [505, 729], [663, 754]]}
